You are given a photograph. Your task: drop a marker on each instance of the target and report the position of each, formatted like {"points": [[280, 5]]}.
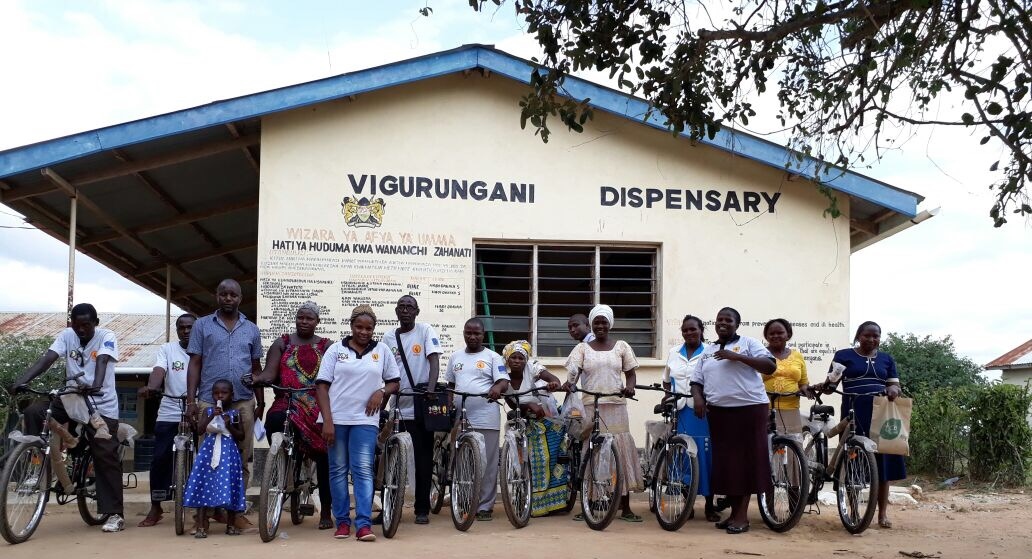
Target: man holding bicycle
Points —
{"points": [[90, 355], [168, 377]]}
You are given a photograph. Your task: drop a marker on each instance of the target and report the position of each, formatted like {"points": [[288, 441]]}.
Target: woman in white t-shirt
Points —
{"points": [[727, 389], [355, 376]]}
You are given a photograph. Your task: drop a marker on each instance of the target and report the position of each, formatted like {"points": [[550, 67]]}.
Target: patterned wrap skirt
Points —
{"points": [[549, 489], [613, 419]]}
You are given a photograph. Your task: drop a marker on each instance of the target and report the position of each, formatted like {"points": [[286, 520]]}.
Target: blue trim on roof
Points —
{"points": [[51, 152]]}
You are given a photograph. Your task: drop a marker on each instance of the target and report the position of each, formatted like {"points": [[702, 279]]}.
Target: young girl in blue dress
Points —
{"points": [[217, 478]]}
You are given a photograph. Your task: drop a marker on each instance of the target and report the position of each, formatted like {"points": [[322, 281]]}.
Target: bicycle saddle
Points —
{"points": [[510, 415], [822, 410], [663, 408]]}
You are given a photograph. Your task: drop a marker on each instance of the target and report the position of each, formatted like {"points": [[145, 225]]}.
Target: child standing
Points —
{"points": [[217, 478], [475, 371]]}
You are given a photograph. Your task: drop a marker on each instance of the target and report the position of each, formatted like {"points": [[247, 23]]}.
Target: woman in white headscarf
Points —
{"points": [[606, 364]]}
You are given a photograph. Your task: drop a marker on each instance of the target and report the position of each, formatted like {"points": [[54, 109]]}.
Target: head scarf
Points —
{"points": [[363, 309], [601, 310], [310, 306], [517, 346]]}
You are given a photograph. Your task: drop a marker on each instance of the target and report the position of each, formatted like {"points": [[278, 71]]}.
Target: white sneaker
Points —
{"points": [[114, 523]]}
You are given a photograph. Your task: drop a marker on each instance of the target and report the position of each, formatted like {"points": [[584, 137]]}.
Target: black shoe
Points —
{"points": [[422, 519], [723, 524], [737, 530]]}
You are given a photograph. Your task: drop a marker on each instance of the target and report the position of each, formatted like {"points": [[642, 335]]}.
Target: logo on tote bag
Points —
{"points": [[891, 429]]}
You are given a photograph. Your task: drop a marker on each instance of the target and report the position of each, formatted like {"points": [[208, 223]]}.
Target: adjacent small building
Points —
{"points": [[1015, 367]]}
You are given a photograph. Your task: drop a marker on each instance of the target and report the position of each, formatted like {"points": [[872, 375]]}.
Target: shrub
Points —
{"points": [[1001, 439], [17, 353], [940, 428]]}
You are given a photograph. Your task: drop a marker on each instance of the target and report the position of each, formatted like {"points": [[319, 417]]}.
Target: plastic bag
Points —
{"points": [[573, 409], [481, 444], [603, 466], [75, 407], [405, 440], [127, 435], [513, 463], [890, 425], [19, 437], [259, 429]]}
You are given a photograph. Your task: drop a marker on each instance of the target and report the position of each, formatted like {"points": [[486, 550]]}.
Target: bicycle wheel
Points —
{"points": [[272, 494], [782, 506], [395, 478], [184, 461], [24, 491], [439, 474], [856, 487], [601, 487], [301, 498], [467, 474], [676, 484], [814, 468], [572, 469], [515, 482], [86, 497]]}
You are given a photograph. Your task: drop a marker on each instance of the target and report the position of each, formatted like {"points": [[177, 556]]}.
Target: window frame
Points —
{"points": [[596, 281]]}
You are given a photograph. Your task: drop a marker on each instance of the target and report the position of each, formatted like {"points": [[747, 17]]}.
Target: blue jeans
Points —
{"points": [[353, 452]]}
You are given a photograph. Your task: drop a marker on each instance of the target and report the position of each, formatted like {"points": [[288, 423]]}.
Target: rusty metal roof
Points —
{"points": [[1020, 356], [139, 335]]}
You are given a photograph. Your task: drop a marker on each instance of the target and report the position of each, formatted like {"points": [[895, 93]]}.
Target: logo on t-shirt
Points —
{"points": [[343, 356], [109, 344], [93, 356], [376, 357], [417, 349], [178, 365], [435, 342], [501, 368], [75, 354], [457, 367], [481, 365]]}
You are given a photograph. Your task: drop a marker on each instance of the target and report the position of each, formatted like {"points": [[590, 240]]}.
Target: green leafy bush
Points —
{"points": [[16, 354], [1001, 439], [940, 429]]}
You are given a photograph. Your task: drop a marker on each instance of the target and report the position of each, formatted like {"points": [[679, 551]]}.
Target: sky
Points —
{"points": [[75, 66]]}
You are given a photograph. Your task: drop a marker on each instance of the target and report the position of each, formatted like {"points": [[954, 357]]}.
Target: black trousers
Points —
{"points": [[423, 448], [274, 422], [162, 463], [106, 464]]}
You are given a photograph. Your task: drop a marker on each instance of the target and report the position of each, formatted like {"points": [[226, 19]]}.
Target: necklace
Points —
{"points": [[867, 357]]}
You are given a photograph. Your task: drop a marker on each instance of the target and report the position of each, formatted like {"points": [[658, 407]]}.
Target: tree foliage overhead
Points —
{"points": [[925, 364], [846, 74]]}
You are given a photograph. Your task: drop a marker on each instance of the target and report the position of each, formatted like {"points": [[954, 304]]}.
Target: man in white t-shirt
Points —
{"points": [[90, 354], [167, 378], [478, 370], [423, 354]]}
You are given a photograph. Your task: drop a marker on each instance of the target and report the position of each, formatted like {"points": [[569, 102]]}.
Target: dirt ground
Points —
{"points": [[953, 523]]}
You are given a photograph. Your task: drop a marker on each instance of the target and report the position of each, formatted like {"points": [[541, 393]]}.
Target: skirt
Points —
{"points": [[549, 489], [741, 465], [613, 419], [698, 429]]}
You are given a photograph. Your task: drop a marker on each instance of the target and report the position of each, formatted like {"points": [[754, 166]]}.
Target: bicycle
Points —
{"points": [[394, 480], [782, 506], [600, 475], [515, 478], [670, 464], [288, 474], [183, 449], [25, 481], [465, 470], [852, 471]]}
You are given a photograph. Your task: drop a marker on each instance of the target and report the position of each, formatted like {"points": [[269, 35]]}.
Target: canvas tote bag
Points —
{"points": [[890, 425]]}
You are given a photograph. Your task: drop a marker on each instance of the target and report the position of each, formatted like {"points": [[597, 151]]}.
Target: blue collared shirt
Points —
{"points": [[225, 354]]}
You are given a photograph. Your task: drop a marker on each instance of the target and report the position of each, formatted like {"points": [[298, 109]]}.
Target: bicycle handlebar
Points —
{"points": [[485, 395], [283, 388], [602, 394], [658, 388]]}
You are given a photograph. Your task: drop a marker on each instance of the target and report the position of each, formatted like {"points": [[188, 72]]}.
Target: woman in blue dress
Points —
{"points": [[217, 478], [870, 372], [682, 361]]}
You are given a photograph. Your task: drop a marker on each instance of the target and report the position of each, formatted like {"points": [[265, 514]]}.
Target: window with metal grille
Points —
{"points": [[529, 291]]}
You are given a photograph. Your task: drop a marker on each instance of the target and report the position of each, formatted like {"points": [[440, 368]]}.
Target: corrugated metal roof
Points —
{"points": [[1021, 355], [139, 335]]}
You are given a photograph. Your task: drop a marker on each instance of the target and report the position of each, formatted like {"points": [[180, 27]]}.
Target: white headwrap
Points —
{"points": [[601, 310]]}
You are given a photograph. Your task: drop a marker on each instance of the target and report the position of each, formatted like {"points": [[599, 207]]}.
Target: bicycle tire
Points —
{"points": [[515, 486], [675, 459], [302, 494], [572, 471], [19, 463], [271, 495], [395, 480], [614, 479], [786, 458], [467, 475], [859, 463], [814, 467], [182, 465], [438, 474], [86, 499]]}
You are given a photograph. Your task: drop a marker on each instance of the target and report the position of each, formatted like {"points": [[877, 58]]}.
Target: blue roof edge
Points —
{"points": [[51, 152]]}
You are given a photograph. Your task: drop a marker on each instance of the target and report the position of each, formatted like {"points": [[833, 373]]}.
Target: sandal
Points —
{"points": [[150, 521], [201, 533], [712, 516], [723, 524], [326, 524], [579, 517], [630, 517], [232, 531], [885, 523]]}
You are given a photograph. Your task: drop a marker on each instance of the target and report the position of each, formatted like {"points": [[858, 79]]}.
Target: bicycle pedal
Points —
{"points": [[306, 510]]}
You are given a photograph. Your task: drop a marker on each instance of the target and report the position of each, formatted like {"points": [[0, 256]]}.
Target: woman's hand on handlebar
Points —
{"points": [[628, 391], [553, 386]]}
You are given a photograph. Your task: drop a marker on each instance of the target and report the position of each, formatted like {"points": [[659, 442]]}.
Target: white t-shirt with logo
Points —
{"points": [[420, 343], [476, 373], [353, 378], [81, 359], [173, 359], [731, 384]]}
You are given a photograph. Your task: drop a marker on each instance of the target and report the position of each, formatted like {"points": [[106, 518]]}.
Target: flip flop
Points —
{"points": [[148, 522], [630, 517], [885, 523], [326, 524]]}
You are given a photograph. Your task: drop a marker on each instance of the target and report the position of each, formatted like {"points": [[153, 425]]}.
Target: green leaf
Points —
{"points": [[967, 119], [993, 108]]}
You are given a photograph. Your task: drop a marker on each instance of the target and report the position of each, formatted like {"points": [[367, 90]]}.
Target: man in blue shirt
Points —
{"points": [[226, 345]]}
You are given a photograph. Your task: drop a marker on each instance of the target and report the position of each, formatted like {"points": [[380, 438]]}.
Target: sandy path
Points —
{"points": [[952, 523]]}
